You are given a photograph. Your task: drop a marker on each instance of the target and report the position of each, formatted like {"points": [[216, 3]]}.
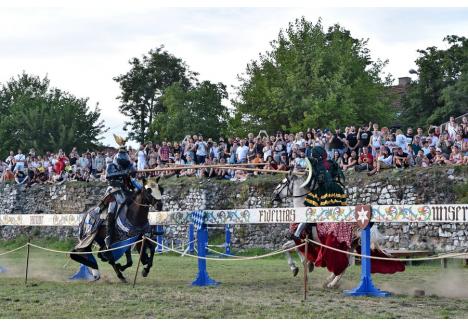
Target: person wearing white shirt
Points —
{"points": [[141, 158], [384, 161], [241, 152], [401, 140], [20, 159]]}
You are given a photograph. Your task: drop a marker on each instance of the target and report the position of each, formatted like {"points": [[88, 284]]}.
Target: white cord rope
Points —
{"points": [[237, 258], [9, 252], [389, 258], [82, 252], [222, 253]]}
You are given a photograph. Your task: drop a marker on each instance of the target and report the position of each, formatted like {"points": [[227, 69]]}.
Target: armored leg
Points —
{"points": [[110, 230]]}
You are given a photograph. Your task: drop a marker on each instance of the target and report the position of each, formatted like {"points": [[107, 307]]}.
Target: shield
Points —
{"points": [[362, 214]]}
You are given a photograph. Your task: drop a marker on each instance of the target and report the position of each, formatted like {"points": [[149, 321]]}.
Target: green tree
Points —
{"points": [[441, 88], [143, 86], [311, 78], [198, 109], [35, 115]]}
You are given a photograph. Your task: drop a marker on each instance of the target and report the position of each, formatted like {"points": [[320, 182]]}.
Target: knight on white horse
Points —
{"points": [[324, 187]]}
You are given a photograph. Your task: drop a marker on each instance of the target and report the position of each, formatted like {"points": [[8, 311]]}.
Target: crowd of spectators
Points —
{"points": [[366, 148]]}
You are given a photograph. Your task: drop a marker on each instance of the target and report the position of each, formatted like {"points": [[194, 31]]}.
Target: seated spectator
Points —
{"points": [[271, 164], [20, 176], [400, 159], [411, 155], [456, 156], [283, 164], [365, 160], [425, 148], [348, 161], [432, 154], [384, 161], [337, 158], [439, 158], [421, 160]]}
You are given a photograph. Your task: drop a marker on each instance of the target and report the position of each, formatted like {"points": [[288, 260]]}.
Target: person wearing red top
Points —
{"points": [[365, 161]]}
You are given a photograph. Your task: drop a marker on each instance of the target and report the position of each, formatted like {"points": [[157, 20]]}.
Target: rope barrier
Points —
{"points": [[168, 249], [9, 252], [82, 252], [388, 258], [237, 257], [222, 253]]}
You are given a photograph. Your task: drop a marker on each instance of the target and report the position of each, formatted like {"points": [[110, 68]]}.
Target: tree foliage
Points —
{"points": [[311, 78], [441, 89], [143, 86], [195, 110], [35, 115]]}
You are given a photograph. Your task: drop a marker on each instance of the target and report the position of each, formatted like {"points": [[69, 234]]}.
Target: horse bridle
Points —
{"points": [[289, 192], [145, 205]]}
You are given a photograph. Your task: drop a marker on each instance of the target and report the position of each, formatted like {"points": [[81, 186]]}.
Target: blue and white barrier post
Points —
{"points": [[227, 241], [159, 238], [191, 239], [366, 286], [83, 274], [203, 279]]}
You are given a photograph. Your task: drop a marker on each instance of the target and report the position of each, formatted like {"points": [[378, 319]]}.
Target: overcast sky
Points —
{"points": [[81, 50]]}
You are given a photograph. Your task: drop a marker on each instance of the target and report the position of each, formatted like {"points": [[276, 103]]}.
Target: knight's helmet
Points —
{"points": [[122, 159]]}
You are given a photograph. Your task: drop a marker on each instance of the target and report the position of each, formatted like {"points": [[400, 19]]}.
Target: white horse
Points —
{"points": [[293, 186]]}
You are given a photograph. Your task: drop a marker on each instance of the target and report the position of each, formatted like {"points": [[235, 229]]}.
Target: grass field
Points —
{"points": [[252, 289]]}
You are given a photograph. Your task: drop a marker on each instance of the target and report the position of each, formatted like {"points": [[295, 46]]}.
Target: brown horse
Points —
{"points": [[132, 224]]}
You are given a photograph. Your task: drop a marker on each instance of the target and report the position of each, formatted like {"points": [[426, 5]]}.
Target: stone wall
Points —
{"points": [[437, 185]]}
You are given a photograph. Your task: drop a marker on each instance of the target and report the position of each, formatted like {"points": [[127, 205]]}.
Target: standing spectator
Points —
{"points": [[452, 128], [279, 147], [141, 156], [267, 150], [252, 152], [376, 142], [201, 152], [214, 151], [400, 140], [409, 135], [20, 159], [337, 143], [364, 136], [164, 153], [10, 161], [241, 152], [351, 140], [100, 162]]}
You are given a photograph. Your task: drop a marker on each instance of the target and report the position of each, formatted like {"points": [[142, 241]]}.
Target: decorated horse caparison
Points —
{"points": [[324, 186], [131, 225]]}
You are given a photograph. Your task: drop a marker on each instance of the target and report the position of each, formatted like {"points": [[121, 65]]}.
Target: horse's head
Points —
{"points": [[291, 185], [152, 193]]}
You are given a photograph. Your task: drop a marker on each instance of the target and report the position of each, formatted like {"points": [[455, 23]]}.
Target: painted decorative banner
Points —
{"points": [[380, 213]]}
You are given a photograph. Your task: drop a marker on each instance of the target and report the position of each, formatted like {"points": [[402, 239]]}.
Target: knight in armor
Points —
{"points": [[120, 174], [326, 185]]}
